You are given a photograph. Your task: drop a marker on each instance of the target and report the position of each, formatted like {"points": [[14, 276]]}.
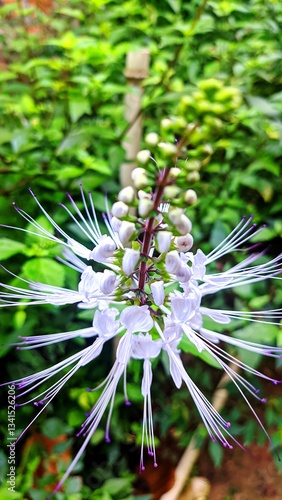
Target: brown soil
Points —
{"points": [[243, 476]]}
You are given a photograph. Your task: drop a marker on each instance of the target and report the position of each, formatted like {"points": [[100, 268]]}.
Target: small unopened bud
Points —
{"points": [[173, 262], [157, 289], [104, 250], [184, 274], [143, 156], [143, 194], [208, 149], [190, 196], [167, 148], [145, 206], [139, 177], [174, 215], [130, 260], [107, 283], [120, 209], [170, 192], [174, 172], [125, 232], [184, 243], [192, 165], [163, 241], [193, 176], [184, 225], [127, 194], [115, 224], [152, 139], [166, 123]]}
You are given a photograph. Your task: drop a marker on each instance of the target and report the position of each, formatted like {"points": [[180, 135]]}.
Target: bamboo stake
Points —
{"points": [[137, 68], [192, 452]]}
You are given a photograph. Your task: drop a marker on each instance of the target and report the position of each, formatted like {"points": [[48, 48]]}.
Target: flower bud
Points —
{"points": [[130, 260], [173, 262], [152, 139], [104, 250], [166, 123], [184, 225], [115, 224], [120, 209], [127, 194], [157, 289], [125, 232], [139, 177], [143, 194], [145, 206], [107, 282], [167, 148], [143, 156], [170, 192], [190, 196], [184, 243], [174, 215], [174, 173], [193, 176], [163, 241], [184, 274]]}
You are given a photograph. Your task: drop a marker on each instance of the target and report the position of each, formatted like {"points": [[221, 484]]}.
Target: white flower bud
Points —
{"points": [[184, 274], [184, 225], [163, 241], [115, 224], [174, 172], [152, 139], [120, 209], [174, 215], [104, 250], [125, 232], [170, 192], [184, 243], [130, 260], [166, 123], [167, 148], [143, 156], [107, 282], [139, 177], [143, 194], [127, 194], [173, 262], [190, 196], [193, 176], [145, 206], [157, 289]]}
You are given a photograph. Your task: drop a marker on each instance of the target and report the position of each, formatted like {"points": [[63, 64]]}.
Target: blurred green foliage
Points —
{"points": [[214, 63]]}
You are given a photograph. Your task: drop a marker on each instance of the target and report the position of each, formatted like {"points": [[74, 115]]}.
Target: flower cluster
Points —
{"points": [[159, 285]]}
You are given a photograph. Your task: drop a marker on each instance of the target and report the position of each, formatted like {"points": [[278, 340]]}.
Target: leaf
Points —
{"points": [[262, 105], [187, 346], [10, 247], [79, 107], [53, 428], [216, 453], [45, 271], [74, 138]]}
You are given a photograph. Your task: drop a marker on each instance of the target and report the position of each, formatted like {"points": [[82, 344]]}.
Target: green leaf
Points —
{"points": [[216, 453], [79, 107], [44, 270], [53, 428], [187, 346], [10, 247]]}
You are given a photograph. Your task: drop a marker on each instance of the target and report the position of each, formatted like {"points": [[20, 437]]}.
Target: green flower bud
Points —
{"points": [[193, 176], [190, 197], [167, 148]]}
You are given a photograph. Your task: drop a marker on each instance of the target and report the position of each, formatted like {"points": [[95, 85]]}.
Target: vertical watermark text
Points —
{"points": [[11, 428]]}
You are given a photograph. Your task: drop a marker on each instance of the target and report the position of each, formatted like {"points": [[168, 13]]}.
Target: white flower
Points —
{"points": [[157, 289], [136, 319], [130, 260]]}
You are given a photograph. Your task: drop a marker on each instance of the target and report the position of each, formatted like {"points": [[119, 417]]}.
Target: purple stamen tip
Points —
{"points": [[127, 403], [155, 464], [228, 424], [150, 453], [263, 400], [107, 439], [88, 389], [142, 468]]}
